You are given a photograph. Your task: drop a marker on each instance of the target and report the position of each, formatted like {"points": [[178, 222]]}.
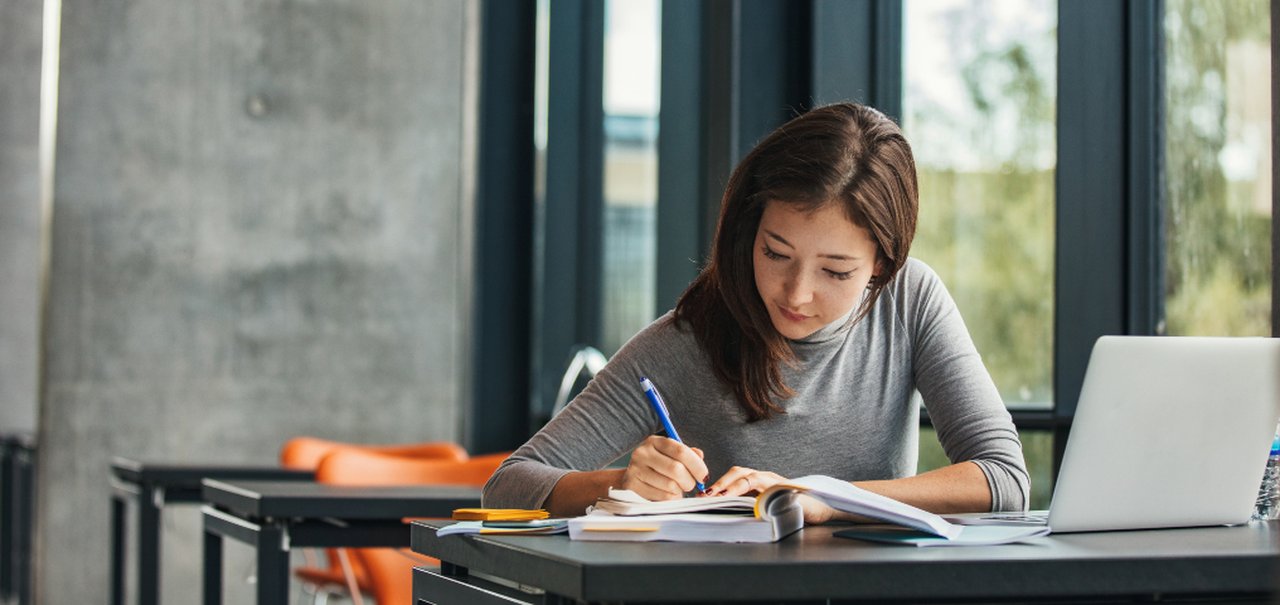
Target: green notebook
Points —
{"points": [[970, 535]]}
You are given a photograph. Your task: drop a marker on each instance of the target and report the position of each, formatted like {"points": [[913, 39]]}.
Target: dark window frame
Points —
{"points": [[498, 416], [1275, 171], [568, 230]]}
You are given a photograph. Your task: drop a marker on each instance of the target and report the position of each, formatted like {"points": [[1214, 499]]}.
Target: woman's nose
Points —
{"points": [[798, 290]]}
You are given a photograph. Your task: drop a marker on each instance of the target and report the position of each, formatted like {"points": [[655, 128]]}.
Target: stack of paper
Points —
{"points": [[716, 519], [681, 527]]}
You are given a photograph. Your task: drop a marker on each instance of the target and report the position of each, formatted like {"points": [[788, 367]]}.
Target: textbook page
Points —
{"points": [[627, 502], [845, 496]]}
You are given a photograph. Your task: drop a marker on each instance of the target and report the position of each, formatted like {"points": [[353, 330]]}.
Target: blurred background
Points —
{"points": [[226, 223]]}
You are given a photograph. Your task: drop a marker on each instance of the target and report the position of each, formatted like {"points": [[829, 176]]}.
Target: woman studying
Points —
{"points": [[795, 351]]}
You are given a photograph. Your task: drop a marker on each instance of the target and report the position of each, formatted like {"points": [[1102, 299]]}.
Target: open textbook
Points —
{"points": [[768, 517]]}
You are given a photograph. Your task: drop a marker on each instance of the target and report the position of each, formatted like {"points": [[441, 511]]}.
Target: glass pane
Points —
{"points": [[1217, 189], [631, 55], [979, 109]]}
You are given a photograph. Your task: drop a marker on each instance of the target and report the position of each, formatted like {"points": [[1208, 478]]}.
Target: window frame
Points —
{"points": [[569, 245], [497, 418]]}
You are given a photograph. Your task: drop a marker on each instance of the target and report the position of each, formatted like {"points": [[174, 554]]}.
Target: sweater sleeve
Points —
{"points": [[967, 411], [607, 420]]}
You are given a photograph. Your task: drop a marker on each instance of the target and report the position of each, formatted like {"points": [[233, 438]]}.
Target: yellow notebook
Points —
{"points": [[498, 514]]}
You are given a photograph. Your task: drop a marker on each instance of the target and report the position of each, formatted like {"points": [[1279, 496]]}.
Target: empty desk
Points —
{"points": [[275, 517], [152, 485]]}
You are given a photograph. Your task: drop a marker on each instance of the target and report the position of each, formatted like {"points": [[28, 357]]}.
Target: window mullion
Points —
{"points": [[1090, 259], [1145, 313]]}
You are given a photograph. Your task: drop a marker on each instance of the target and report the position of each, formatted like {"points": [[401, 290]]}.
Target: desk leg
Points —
{"points": [[8, 511], [148, 547], [25, 489], [117, 550], [212, 579], [452, 570], [273, 565]]}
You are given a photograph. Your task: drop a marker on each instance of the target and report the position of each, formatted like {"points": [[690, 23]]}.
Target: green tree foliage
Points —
{"points": [[1217, 237], [986, 217], [985, 164], [987, 188]]}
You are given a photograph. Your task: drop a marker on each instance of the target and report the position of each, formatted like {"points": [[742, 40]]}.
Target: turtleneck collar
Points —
{"points": [[833, 330]]}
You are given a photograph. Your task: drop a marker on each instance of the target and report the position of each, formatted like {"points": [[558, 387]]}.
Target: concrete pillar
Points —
{"points": [[261, 228], [19, 211]]}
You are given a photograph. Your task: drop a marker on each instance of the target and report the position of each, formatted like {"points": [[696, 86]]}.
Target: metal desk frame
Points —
{"points": [[17, 514], [275, 517], [152, 486]]}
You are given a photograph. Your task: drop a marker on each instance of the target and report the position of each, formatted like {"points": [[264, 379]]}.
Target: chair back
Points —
{"points": [[350, 466], [583, 359], [305, 452], [390, 571]]}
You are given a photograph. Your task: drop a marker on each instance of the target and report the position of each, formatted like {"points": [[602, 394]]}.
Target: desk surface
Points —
{"points": [[170, 474], [305, 499], [814, 564]]}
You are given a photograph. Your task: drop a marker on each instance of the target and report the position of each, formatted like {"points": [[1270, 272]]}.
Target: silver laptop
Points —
{"points": [[1169, 432]]}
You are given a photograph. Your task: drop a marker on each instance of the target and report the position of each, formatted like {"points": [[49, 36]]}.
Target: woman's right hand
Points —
{"points": [[663, 469]]}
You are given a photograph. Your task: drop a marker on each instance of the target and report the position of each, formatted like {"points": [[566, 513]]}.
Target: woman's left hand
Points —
{"points": [[743, 481]]}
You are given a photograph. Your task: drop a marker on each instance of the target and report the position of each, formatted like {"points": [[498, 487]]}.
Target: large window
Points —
{"points": [[978, 108], [631, 64], [595, 113], [1085, 168], [1217, 185]]}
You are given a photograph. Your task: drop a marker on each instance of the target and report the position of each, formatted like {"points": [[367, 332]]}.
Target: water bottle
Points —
{"points": [[1268, 505]]}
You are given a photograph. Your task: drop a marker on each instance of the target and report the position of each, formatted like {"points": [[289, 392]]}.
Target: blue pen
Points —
{"points": [[655, 401]]}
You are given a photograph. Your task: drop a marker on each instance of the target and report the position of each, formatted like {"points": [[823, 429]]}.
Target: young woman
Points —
{"points": [[795, 351]]}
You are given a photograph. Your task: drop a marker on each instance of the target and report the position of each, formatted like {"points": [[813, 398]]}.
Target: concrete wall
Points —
{"points": [[260, 229], [19, 211]]}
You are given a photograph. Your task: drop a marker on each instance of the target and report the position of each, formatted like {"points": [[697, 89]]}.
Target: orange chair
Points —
{"points": [[306, 453], [389, 571]]}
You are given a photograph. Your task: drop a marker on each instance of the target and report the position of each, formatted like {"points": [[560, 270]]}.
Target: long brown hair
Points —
{"points": [[845, 154]]}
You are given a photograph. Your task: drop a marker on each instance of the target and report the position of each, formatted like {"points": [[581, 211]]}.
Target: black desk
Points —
{"points": [[152, 486], [17, 514], [1230, 562], [275, 517]]}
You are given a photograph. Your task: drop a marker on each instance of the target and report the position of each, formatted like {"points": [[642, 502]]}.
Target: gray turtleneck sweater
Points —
{"points": [[852, 415]]}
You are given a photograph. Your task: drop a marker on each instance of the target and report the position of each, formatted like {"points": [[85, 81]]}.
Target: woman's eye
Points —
{"points": [[838, 275], [771, 255]]}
